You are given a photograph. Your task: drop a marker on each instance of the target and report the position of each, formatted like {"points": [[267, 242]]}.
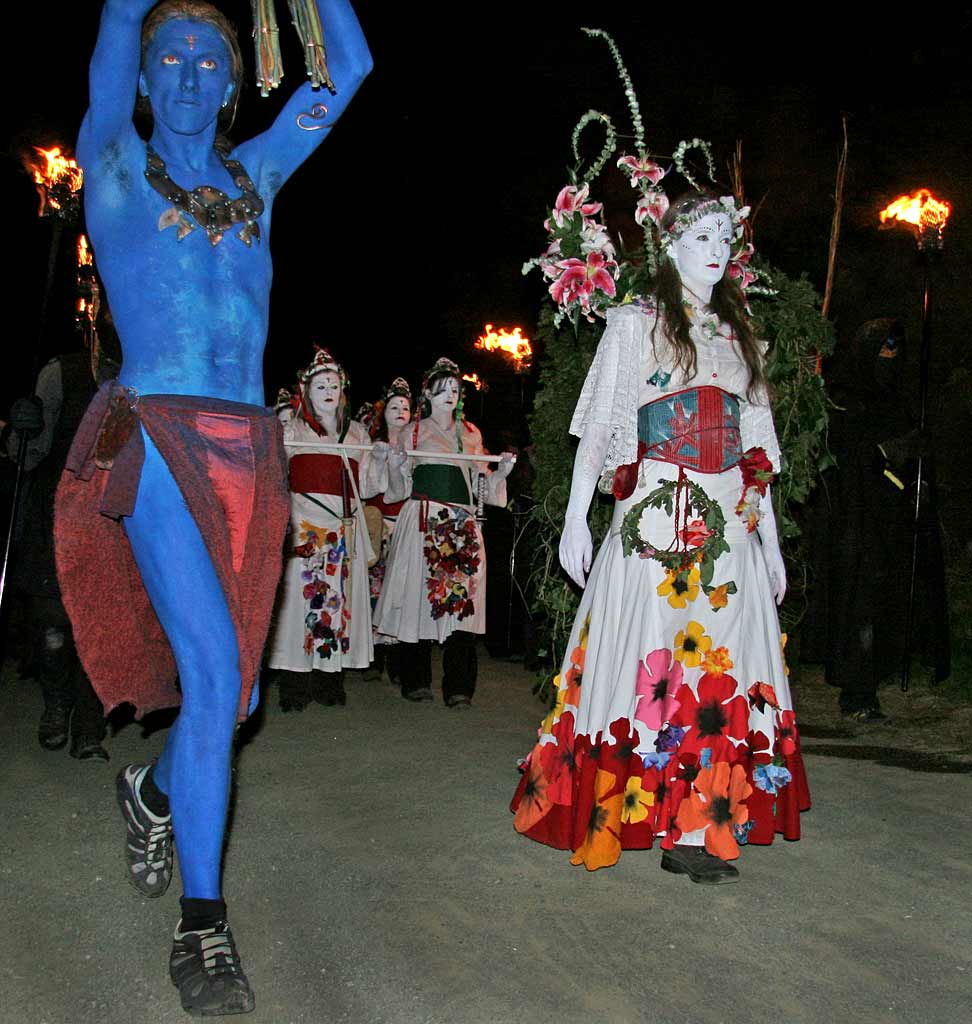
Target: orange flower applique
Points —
{"points": [[717, 661], [602, 844], [574, 675], [719, 596], [716, 801]]}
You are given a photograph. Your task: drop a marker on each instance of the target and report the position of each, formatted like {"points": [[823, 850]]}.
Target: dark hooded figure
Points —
{"points": [[862, 529]]}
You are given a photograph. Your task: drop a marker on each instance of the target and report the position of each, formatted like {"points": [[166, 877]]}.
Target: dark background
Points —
{"points": [[406, 232]]}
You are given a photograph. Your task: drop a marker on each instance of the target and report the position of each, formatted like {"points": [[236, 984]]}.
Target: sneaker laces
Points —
{"points": [[217, 950]]}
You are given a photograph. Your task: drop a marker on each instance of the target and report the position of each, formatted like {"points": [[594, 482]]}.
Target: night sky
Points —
{"points": [[406, 232]]}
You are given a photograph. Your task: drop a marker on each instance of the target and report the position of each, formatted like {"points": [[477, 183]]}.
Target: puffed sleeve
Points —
{"points": [[609, 397], [756, 427], [472, 444]]}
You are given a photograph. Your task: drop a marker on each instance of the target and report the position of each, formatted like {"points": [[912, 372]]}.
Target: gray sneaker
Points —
{"points": [[205, 967], [148, 844]]}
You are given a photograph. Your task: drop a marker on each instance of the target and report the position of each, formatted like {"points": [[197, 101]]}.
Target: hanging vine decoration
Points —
{"points": [[266, 40], [610, 144], [629, 90], [679, 157]]}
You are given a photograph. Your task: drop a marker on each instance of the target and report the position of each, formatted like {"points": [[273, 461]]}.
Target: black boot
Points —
{"points": [[56, 673], [295, 693], [327, 688]]}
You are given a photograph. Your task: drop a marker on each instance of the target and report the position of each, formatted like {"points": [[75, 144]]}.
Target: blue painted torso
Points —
{"points": [[191, 316]]}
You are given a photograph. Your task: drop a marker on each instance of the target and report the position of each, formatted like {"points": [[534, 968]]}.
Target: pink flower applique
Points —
{"points": [[659, 677]]}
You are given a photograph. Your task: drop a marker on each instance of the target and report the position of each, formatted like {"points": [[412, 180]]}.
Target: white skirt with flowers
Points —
{"points": [[673, 716]]}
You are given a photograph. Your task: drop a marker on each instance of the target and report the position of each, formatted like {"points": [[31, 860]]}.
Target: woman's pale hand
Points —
{"points": [[396, 456], [576, 549], [379, 451], [776, 569], [504, 468]]}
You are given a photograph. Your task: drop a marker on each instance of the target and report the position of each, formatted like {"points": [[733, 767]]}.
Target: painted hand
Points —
{"points": [[776, 570], [576, 549], [396, 456]]}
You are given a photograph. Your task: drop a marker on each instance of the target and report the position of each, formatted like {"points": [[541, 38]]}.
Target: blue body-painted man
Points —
{"points": [[191, 308]]}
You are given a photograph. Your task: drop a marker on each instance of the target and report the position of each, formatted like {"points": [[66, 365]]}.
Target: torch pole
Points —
{"points": [[926, 259], [57, 227]]}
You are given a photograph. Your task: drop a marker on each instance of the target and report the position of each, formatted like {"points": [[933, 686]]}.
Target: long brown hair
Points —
{"points": [[727, 302]]}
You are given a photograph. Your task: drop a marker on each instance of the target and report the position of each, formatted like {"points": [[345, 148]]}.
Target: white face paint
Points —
{"points": [[446, 397], [325, 395], [397, 412], [702, 253]]}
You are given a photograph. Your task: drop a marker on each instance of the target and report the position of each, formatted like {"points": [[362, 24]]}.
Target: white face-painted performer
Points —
{"points": [[323, 618], [386, 420], [435, 580], [673, 703]]}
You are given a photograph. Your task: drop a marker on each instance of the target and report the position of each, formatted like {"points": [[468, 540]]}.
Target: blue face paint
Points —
{"points": [[187, 75]]}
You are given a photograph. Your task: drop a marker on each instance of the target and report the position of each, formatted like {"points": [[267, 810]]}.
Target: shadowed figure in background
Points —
{"points": [[861, 531]]}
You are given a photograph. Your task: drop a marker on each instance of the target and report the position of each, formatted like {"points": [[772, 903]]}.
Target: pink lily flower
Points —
{"points": [[651, 204], [571, 200], [580, 279], [638, 169]]}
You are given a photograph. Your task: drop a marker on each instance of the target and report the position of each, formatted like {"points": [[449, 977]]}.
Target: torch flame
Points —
{"points": [[511, 343], [921, 209], [85, 255], [55, 172], [473, 378]]}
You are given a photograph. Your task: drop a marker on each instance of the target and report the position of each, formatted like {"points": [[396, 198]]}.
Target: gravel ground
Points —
{"points": [[373, 875]]}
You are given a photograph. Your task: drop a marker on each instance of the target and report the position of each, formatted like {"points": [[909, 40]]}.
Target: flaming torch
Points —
{"points": [[510, 343], [58, 179], [477, 382], [927, 217]]}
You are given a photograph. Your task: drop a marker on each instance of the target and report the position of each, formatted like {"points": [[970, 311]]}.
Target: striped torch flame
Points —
{"points": [[924, 212]]}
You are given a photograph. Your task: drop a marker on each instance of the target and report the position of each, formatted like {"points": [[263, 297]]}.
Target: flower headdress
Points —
{"points": [[442, 367], [323, 362], [285, 400], [580, 261], [681, 222], [397, 389]]}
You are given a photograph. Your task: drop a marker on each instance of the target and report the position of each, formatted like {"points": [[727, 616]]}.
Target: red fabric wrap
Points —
{"points": [[229, 463], [318, 473], [386, 508]]}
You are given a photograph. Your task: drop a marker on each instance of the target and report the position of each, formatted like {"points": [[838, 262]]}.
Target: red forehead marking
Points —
{"points": [[191, 40]]}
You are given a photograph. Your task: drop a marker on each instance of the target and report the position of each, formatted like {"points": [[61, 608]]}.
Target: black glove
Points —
{"points": [[27, 416]]}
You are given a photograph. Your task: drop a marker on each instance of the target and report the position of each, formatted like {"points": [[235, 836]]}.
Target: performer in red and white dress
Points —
{"points": [[323, 617], [386, 420], [435, 578], [673, 717]]}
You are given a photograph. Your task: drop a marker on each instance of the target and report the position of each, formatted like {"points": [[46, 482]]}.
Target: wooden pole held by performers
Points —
{"points": [[327, 446]]}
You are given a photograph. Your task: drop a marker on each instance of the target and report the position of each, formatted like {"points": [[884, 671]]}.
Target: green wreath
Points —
{"points": [[680, 562]]}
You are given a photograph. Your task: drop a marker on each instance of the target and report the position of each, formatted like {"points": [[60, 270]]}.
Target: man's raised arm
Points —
{"points": [[302, 124], [113, 76]]}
